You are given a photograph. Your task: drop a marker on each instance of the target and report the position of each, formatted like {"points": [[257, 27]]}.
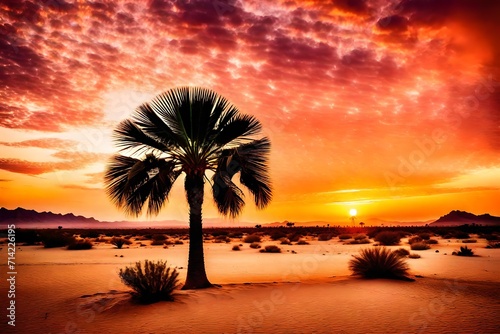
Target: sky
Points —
{"points": [[389, 107]]}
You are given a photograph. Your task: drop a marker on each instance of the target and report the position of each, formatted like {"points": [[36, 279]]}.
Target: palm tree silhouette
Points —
{"points": [[188, 130]]}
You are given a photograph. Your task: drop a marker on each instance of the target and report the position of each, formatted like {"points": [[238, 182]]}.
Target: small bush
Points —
{"points": [[252, 238], [425, 236], [378, 262], [402, 252], [461, 235], [357, 242], [277, 235], [152, 282], [221, 239], [325, 236], [119, 242], [178, 242], [80, 245], [360, 237], [28, 237], [90, 234], [255, 245], [465, 251], [56, 239], [271, 249], [469, 241], [414, 256], [493, 244], [345, 236], [431, 242], [413, 240], [388, 238], [294, 237], [236, 248], [490, 237], [285, 241], [159, 237], [157, 242], [302, 242], [419, 246]]}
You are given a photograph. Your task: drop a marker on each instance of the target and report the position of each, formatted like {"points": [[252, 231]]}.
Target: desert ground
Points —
{"points": [[304, 289]]}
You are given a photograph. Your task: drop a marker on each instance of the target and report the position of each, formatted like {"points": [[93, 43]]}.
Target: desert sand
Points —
{"points": [[63, 291]]}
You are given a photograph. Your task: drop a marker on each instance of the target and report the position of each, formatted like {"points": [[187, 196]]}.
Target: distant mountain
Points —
{"points": [[32, 219], [456, 217]]}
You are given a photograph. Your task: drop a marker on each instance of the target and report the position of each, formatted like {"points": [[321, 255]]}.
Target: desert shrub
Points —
{"points": [[461, 235], [360, 237], [414, 256], [271, 249], [277, 235], [425, 236], [388, 238], [415, 239], [294, 237], [302, 242], [325, 236], [431, 242], [255, 245], [402, 252], [236, 248], [80, 245], [159, 237], [378, 262], [157, 242], [56, 239], [221, 239], [90, 234], [252, 238], [151, 282], [178, 242], [465, 251], [493, 244], [285, 241], [234, 235], [345, 236], [490, 237], [469, 241], [28, 237], [220, 233], [419, 246], [119, 242], [357, 242], [147, 237]]}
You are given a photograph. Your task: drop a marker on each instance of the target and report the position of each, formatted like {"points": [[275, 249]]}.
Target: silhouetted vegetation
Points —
{"points": [[464, 251], [469, 241], [302, 242], [325, 236], [271, 249], [236, 248], [252, 238], [419, 246], [255, 245], [80, 244], [414, 256], [56, 239], [388, 238], [379, 262], [151, 282], [119, 242], [277, 235], [402, 252], [345, 236]]}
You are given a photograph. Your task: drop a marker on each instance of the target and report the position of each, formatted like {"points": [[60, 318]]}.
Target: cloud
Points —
{"points": [[49, 143], [71, 161]]}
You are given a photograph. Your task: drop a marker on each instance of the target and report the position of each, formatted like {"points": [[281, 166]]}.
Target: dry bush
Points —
{"points": [[419, 246], [302, 242], [388, 238], [325, 236], [271, 249], [151, 282], [402, 252], [80, 245], [414, 256], [119, 242], [378, 262], [255, 245], [252, 238], [469, 241], [236, 248], [345, 236]]}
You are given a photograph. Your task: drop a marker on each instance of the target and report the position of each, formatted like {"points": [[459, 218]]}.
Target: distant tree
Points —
{"points": [[361, 224], [290, 224], [59, 227], [258, 226]]}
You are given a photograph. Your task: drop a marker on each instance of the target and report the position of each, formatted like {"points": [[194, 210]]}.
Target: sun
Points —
{"points": [[353, 212]]}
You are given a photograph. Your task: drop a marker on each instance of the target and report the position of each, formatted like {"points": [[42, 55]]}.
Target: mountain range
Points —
{"points": [[33, 219]]}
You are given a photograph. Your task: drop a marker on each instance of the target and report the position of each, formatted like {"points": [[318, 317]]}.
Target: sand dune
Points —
{"points": [[61, 291]]}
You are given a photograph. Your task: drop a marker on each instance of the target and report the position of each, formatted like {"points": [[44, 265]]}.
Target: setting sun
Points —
{"points": [[353, 212]]}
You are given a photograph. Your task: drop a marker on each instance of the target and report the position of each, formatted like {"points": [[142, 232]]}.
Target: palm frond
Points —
{"points": [[253, 162], [227, 196], [239, 126], [128, 135]]}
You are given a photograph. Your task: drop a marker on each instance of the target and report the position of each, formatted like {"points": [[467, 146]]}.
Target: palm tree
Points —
{"points": [[197, 132]]}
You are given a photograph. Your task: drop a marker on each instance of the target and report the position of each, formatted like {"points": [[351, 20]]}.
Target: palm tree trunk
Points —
{"points": [[196, 275]]}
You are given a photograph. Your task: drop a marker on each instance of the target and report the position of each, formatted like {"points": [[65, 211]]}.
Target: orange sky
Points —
{"points": [[389, 107]]}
